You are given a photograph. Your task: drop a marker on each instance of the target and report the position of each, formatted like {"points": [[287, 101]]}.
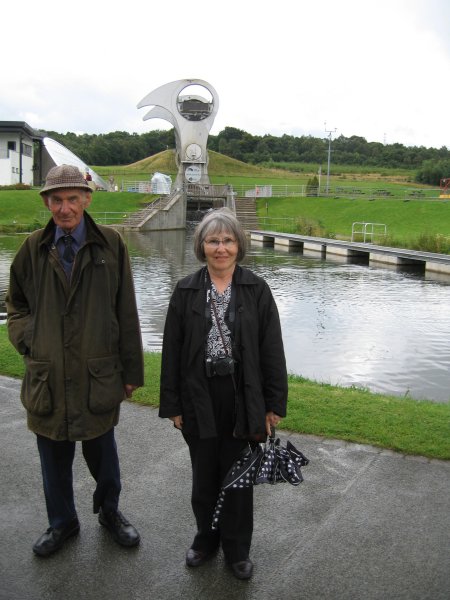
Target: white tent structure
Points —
{"points": [[161, 184], [55, 154]]}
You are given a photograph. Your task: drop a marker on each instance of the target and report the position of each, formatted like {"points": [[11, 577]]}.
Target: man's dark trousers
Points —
{"points": [[57, 457]]}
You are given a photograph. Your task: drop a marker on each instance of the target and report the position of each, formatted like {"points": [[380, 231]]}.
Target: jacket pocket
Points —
{"points": [[106, 389], [35, 394]]}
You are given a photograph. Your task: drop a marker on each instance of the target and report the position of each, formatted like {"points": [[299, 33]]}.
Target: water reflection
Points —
{"points": [[343, 323], [159, 260]]}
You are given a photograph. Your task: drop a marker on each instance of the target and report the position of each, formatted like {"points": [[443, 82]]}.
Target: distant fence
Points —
{"points": [[207, 190], [338, 191], [303, 190], [99, 216], [144, 187]]}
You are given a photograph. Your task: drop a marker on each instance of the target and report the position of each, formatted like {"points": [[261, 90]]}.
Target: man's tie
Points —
{"points": [[68, 254]]}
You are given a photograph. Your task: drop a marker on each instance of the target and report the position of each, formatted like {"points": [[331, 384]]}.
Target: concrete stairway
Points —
{"points": [[246, 213], [136, 220]]}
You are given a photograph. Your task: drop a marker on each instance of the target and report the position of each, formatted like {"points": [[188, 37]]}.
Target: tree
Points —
{"points": [[121, 147], [312, 187], [431, 172]]}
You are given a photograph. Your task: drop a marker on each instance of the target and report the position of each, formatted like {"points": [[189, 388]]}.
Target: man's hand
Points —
{"points": [[129, 389]]}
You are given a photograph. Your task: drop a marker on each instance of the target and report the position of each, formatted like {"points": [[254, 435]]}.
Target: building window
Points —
{"points": [[27, 150], [11, 147]]}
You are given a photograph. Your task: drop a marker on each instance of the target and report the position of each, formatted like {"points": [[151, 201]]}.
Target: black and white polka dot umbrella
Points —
{"points": [[268, 463]]}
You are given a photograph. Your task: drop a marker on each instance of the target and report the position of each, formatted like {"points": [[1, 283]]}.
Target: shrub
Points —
{"points": [[426, 242], [304, 226], [432, 243], [15, 186]]}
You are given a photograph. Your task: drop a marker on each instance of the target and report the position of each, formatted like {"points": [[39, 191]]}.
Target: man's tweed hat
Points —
{"points": [[64, 176]]}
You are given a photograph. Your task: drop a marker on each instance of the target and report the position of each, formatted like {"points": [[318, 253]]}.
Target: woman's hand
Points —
{"points": [[177, 421], [272, 420]]}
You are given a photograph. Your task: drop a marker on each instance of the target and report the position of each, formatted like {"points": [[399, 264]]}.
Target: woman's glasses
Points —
{"points": [[215, 242]]}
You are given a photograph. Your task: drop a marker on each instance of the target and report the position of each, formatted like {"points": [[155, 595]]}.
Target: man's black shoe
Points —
{"points": [[242, 569], [53, 539], [196, 558], [122, 531]]}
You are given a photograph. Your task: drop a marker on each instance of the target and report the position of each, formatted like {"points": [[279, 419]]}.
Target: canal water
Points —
{"points": [[378, 328]]}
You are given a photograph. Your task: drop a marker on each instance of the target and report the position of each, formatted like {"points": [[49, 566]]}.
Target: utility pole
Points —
{"points": [[330, 132]]}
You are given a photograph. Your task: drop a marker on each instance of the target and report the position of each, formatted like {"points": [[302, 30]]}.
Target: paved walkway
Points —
{"points": [[366, 524]]}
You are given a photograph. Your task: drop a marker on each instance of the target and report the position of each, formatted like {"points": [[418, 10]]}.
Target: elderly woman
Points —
{"points": [[223, 381]]}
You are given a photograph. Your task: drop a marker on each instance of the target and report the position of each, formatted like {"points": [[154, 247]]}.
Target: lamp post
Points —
{"points": [[330, 132]]}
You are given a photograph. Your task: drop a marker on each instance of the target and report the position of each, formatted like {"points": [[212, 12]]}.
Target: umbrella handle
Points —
{"points": [[272, 432]]}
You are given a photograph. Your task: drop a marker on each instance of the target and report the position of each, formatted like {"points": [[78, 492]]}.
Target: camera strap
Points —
{"points": [[213, 304], [210, 303], [231, 310], [223, 342]]}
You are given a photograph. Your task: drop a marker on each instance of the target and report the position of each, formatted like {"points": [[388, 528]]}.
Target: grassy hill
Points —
{"points": [[419, 225], [219, 165]]}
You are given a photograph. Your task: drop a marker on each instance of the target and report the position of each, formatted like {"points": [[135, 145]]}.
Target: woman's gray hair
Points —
{"points": [[215, 222]]}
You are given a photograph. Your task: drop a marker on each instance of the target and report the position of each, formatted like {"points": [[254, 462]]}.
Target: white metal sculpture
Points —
{"points": [[192, 116]]}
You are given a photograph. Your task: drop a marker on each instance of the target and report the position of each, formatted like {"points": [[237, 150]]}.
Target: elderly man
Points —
{"points": [[72, 315]]}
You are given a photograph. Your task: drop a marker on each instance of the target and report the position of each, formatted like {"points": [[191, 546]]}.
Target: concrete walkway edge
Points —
{"points": [[366, 524]]}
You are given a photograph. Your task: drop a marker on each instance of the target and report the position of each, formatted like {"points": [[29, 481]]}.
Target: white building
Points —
{"points": [[17, 140]]}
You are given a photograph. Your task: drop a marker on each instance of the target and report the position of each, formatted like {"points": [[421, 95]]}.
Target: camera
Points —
{"points": [[219, 366]]}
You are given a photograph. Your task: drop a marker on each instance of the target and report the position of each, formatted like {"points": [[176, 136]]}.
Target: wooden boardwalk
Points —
{"points": [[364, 253]]}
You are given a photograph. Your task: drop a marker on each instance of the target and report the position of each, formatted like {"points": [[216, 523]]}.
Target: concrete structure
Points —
{"points": [[428, 262], [171, 212], [167, 212], [17, 153]]}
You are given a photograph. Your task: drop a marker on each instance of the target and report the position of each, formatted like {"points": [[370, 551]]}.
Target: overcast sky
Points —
{"points": [[379, 69]]}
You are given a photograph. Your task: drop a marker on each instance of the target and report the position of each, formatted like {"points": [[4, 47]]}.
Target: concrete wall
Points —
{"points": [[173, 216]]}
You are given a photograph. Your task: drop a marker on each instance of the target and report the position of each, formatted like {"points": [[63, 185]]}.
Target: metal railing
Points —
{"points": [[143, 187], [368, 231], [269, 191], [292, 190], [207, 190], [101, 217], [336, 191]]}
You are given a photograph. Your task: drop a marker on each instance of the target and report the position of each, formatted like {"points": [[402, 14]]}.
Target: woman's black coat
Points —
{"points": [[257, 346]]}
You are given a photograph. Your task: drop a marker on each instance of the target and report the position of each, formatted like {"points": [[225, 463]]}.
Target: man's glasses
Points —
{"points": [[215, 242]]}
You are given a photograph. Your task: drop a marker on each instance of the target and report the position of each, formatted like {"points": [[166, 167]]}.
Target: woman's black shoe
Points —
{"points": [[196, 558], [242, 569]]}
